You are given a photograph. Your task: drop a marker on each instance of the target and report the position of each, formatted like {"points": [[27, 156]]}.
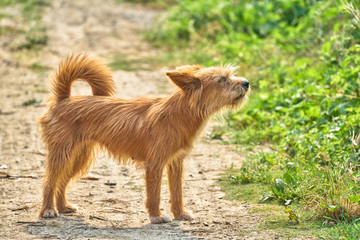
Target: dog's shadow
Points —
{"points": [[74, 227]]}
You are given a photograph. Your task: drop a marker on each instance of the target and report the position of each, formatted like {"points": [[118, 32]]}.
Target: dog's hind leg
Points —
{"points": [[153, 189], [81, 161], [56, 161], [175, 178]]}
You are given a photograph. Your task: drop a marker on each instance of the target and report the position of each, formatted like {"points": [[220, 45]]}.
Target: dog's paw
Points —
{"points": [[48, 213], [68, 209], [161, 219], [187, 215]]}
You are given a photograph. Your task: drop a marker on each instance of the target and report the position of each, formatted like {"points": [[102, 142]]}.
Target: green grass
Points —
{"points": [[158, 4], [169, 59], [32, 30], [4, 15], [289, 230], [121, 62], [34, 38], [343, 231], [277, 218], [38, 67], [135, 187], [251, 192], [273, 213], [41, 90], [7, 30], [32, 101]]}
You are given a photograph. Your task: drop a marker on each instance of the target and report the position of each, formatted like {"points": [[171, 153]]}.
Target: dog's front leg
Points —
{"points": [[153, 188], [175, 179]]}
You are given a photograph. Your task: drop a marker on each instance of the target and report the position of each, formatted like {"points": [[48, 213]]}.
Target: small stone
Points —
{"points": [[110, 183], [193, 223]]}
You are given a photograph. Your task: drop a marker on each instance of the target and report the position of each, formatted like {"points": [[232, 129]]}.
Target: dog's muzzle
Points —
{"points": [[245, 85]]}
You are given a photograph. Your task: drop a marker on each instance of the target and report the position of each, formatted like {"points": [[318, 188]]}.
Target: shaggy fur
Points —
{"points": [[155, 133]]}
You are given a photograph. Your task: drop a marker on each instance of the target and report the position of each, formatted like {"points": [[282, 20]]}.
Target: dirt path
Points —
{"points": [[105, 212]]}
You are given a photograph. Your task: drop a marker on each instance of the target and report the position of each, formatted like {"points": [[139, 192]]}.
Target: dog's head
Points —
{"points": [[211, 88]]}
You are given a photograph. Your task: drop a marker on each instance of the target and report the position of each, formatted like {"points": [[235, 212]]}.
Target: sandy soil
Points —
{"points": [[105, 212]]}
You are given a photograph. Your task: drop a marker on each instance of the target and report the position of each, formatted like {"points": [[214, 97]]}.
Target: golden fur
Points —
{"points": [[154, 133]]}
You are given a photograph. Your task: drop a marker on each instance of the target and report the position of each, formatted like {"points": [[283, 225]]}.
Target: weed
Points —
{"points": [[32, 101], [41, 90], [38, 67], [292, 214], [137, 188]]}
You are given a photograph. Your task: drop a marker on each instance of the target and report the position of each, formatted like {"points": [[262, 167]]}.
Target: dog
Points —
{"points": [[154, 133]]}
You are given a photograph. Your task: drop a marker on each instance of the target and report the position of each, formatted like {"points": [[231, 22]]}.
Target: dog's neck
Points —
{"points": [[185, 115], [182, 105]]}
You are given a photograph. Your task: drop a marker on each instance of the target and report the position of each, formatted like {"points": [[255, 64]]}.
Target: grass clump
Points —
{"points": [[302, 59], [32, 101], [34, 37], [38, 67]]}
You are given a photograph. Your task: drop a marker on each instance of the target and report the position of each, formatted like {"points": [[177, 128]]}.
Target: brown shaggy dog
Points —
{"points": [[155, 133]]}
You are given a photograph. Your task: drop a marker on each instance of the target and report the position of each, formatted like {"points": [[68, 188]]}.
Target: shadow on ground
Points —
{"points": [[70, 227]]}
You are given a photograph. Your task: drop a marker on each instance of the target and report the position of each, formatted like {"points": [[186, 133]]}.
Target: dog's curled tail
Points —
{"points": [[82, 67]]}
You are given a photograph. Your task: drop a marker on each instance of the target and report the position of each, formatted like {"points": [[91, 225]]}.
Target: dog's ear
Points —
{"points": [[184, 79], [189, 68]]}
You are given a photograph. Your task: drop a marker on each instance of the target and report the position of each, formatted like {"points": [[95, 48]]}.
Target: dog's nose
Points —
{"points": [[245, 85]]}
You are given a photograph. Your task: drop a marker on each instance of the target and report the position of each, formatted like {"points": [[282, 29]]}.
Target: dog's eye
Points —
{"points": [[222, 80]]}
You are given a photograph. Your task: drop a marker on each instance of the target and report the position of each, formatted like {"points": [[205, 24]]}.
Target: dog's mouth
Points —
{"points": [[240, 96]]}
